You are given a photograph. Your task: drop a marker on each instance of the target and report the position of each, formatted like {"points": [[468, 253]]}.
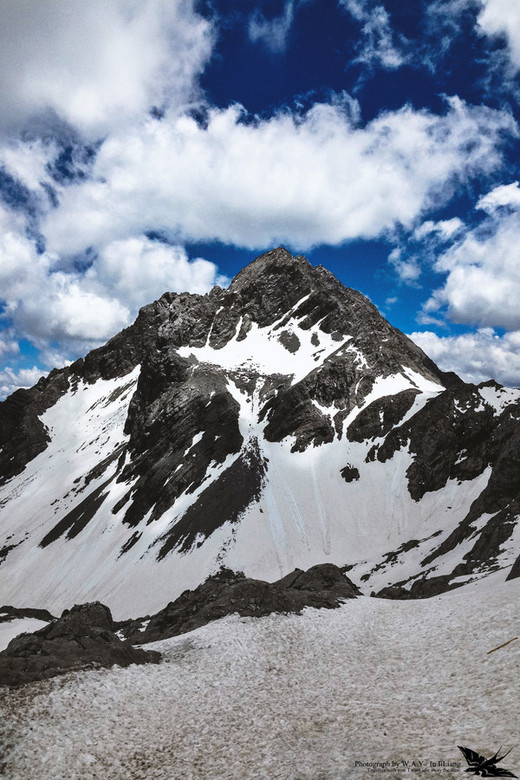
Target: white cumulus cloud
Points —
{"points": [[11, 380], [27, 161], [477, 356], [407, 268], [97, 64], [502, 18], [138, 270], [503, 195], [8, 344], [293, 179], [482, 285], [444, 229], [48, 302]]}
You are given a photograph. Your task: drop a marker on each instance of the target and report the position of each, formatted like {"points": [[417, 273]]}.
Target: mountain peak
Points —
{"points": [[279, 423], [271, 261], [273, 280]]}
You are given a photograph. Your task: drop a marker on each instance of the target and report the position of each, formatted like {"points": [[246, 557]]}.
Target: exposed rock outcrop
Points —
{"points": [[10, 613], [82, 638], [322, 586]]}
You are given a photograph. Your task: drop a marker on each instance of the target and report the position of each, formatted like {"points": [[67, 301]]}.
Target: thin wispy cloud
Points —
{"points": [[378, 45], [272, 32]]}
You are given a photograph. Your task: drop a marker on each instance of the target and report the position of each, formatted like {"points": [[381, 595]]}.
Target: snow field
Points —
{"points": [[307, 513], [262, 350], [288, 697], [85, 425]]}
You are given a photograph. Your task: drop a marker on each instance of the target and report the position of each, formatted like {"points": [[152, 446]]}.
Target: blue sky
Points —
{"points": [[157, 145]]}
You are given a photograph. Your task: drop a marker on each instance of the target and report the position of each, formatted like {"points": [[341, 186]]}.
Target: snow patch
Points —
{"points": [[262, 351], [499, 397]]}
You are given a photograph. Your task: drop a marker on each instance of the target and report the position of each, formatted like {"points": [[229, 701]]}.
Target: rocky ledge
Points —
{"points": [[228, 592], [85, 636], [8, 613]]}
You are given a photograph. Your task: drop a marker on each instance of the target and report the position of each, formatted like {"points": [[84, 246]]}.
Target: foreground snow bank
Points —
{"points": [[321, 695]]}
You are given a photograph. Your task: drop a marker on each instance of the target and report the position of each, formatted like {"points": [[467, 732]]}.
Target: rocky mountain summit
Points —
{"points": [[279, 423]]}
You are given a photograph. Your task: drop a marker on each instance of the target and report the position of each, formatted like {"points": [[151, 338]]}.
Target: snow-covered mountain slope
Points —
{"points": [[277, 424], [326, 694]]}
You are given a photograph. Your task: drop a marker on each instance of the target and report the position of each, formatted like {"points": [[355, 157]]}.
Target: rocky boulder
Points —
{"points": [[326, 581], [82, 637]]}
